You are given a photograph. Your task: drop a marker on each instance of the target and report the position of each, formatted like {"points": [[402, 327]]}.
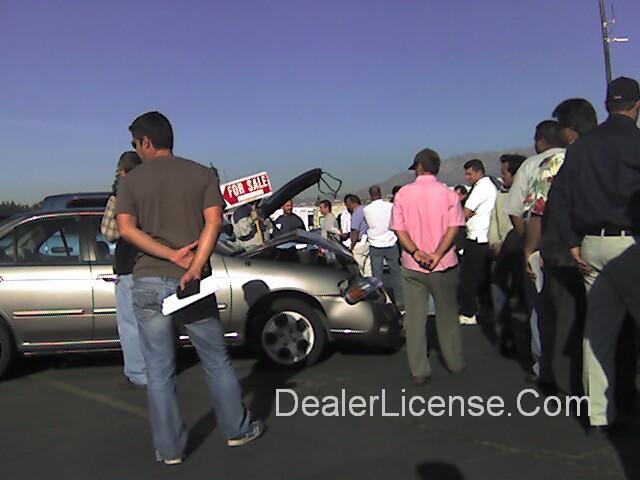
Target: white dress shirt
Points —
{"points": [[481, 200]]}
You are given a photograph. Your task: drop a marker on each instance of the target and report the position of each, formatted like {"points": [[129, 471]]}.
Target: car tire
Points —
{"points": [[290, 333], [7, 348]]}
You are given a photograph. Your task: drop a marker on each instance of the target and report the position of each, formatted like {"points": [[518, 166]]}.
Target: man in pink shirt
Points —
{"points": [[426, 218]]}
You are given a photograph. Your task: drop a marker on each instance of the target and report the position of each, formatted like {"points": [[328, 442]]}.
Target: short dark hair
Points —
{"points": [[350, 197], [127, 162], [156, 127], [550, 132], [326, 203], [461, 189], [474, 164], [577, 114], [375, 190], [513, 161], [429, 159]]}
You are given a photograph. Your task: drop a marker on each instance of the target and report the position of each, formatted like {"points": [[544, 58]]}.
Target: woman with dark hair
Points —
{"points": [[134, 366]]}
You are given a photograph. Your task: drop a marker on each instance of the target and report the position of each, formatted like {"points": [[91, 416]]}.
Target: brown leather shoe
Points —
{"points": [[420, 380]]}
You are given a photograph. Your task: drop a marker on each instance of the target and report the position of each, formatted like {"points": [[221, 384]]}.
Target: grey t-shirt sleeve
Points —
{"points": [[125, 200], [212, 196]]}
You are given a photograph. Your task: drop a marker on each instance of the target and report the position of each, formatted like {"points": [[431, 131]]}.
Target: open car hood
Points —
{"points": [[288, 191], [300, 237]]}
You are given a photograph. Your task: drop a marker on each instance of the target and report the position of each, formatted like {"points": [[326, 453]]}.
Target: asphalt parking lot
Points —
{"points": [[70, 417]]}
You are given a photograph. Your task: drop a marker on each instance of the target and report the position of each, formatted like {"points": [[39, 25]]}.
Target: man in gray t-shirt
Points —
{"points": [[329, 224], [166, 207]]}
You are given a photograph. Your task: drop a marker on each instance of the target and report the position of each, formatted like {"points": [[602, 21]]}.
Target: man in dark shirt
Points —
{"points": [[288, 221], [590, 199], [166, 207]]}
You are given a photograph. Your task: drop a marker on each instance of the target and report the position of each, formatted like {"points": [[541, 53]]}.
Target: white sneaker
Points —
{"points": [[464, 320], [168, 461]]}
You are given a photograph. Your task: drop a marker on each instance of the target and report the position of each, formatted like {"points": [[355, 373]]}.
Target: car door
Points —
{"points": [[45, 290], [103, 280], [223, 294]]}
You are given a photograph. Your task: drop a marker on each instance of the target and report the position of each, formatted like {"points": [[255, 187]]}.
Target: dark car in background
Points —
{"points": [[74, 200]]}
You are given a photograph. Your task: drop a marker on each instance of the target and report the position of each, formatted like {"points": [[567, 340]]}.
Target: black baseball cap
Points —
{"points": [[623, 89], [429, 159]]}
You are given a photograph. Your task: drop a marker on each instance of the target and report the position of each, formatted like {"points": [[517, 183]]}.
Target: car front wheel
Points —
{"points": [[290, 333]]}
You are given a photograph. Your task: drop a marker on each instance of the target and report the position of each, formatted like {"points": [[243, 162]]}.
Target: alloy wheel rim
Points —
{"points": [[288, 337]]}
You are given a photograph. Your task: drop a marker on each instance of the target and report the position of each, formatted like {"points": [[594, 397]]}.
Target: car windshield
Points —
{"points": [[307, 253]]}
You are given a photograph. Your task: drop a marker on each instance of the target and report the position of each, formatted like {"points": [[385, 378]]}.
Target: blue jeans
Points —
{"points": [[392, 255], [158, 347], [134, 367]]}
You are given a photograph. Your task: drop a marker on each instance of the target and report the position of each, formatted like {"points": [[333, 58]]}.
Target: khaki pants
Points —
{"points": [[443, 286], [361, 254], [598, 251]]}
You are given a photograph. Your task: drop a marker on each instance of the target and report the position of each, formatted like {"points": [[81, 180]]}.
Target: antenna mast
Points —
{"points": [[606, 39]]}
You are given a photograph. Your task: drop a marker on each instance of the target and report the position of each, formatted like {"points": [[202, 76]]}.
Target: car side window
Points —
{"points": [[8, 249], [53, 241], [104, 249]]}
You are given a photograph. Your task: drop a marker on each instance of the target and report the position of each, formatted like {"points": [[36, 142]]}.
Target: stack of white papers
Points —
{"points": [[172, 304]]}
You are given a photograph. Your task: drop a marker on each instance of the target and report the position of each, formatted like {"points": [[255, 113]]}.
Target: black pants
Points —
{"points": [[476, 262], [561, 324], [507, 286]]}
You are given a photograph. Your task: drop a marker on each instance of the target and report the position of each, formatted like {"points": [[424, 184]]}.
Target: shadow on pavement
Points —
{"points": [[31, 365], [438, 471], [261, 384], [627, 447]]}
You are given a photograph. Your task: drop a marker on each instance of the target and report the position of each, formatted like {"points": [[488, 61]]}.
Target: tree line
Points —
{"points": [[11, 208]]}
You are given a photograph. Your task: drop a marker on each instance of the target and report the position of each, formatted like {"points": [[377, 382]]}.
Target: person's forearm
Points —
{"points": [[145, 242], [468, 213], [406, 241], [354, 238], [532, 234], [518, 225], [447, 241], [494, 234], [206, 244]]}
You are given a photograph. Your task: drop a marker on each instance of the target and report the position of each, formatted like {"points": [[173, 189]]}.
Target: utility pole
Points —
{"points": [[606, 40]]}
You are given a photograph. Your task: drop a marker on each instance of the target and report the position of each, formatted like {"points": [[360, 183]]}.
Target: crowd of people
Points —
{"points": [[554, 240]]}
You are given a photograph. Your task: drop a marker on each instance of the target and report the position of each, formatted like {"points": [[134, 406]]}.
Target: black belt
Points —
{"points": [[613, 232]]}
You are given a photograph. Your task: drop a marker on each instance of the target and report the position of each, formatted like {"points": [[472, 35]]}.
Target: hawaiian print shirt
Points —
{"points": [[536, 199]]}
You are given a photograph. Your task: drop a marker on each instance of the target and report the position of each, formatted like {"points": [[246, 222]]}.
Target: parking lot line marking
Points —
{"points": [[97, 397]]}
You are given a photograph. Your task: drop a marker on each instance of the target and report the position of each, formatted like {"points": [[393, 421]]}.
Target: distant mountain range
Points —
{"points": [[451, 173]]}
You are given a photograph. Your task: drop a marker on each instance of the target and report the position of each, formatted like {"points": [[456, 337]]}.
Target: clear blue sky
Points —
{"points": [[356, 87]]}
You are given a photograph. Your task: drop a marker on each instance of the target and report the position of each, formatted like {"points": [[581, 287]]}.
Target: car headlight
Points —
{"points": [[359, 289]]}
